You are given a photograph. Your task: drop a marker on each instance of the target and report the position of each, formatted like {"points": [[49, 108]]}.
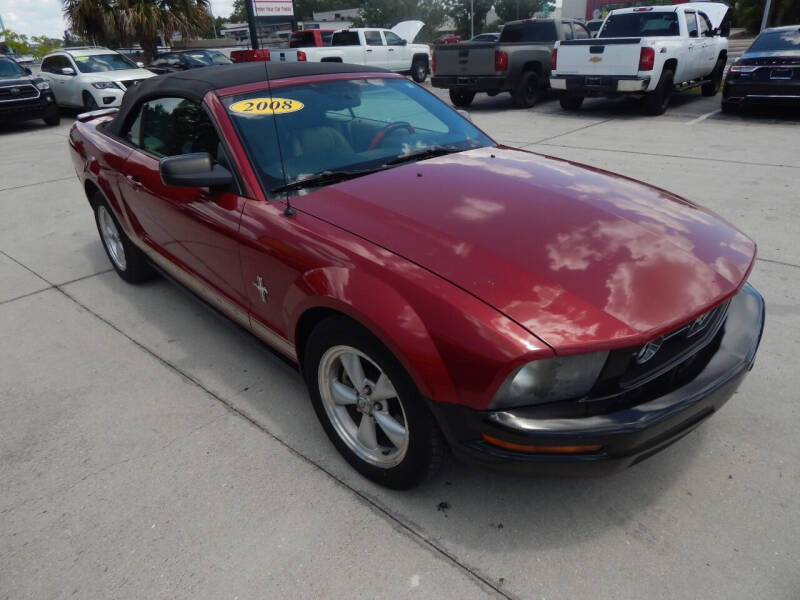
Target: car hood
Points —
{"points": [[716, 11], [408, 30], [17, 80], [580, 257]]}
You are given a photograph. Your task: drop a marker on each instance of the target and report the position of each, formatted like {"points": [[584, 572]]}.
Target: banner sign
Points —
{"points": [[273, 8]]}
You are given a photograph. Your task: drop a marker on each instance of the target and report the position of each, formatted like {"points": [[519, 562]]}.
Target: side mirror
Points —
{"points": [[140, 64], [465, 114], [193, 170], [67, 71], [714, 32], [28, 71], [404, 42]]}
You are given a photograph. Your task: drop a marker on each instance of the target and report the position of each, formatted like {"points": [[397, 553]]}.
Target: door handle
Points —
{"points": [[391, 49], [369, 49], [134, 181]]}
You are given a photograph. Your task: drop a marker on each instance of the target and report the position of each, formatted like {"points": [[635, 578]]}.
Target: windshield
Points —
{"points": [[593, 25], [529, 31], [344, 125], [205, 58], [638, 24], [8, 68], [100, 63], [777, 41]]}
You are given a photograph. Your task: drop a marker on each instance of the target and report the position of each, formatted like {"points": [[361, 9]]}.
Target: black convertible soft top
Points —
{"points": [[196, 83]]}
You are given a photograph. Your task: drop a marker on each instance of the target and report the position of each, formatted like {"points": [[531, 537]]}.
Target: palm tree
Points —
{"points": [[142, 21]]}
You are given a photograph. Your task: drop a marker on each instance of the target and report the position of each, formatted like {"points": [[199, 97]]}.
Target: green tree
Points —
{"points": [[513, 10], [749, 13], [458, 10], [239, 14], [132, 21], [18, 42], [387, 13]]}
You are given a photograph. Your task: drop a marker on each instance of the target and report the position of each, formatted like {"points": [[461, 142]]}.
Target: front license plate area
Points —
{"points": [[593, 81], [781, 74]]}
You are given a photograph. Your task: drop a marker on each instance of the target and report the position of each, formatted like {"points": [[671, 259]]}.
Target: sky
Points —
{"points": [[44, 17]]}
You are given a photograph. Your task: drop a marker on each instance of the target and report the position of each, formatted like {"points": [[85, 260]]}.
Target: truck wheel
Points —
{"points": [[419, 70], [657, 101], [369, 407], [571, 102], [461, 97], [712, 86], [52, 117], [528, 90]]}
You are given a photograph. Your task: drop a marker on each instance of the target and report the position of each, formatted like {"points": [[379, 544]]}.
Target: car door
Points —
{"points": [[377, 54], [693, 65], [708, 45], [59, 82], [192, 228], [398, 51]]}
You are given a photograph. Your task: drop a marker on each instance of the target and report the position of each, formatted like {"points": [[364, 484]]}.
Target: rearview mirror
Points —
{"points": [[193, 170], [67, 71]]}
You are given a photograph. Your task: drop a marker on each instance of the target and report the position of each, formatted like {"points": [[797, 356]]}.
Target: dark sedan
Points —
{"points": [[768, 72], [188, 59]]}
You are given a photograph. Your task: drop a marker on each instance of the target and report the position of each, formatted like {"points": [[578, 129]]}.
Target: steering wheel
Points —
{"points": [[380, 135]]}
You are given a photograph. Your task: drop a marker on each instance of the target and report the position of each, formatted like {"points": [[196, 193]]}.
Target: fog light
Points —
{"points": [[586, 449]]}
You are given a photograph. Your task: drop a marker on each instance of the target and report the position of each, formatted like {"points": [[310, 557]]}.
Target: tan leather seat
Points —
{"points": [[318, 140]]}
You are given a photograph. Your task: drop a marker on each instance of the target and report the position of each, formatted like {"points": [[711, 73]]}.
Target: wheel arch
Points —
{"points": [[419, 56], [672, 65]]}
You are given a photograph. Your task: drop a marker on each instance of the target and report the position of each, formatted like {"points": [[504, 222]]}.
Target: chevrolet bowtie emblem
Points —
{"points": [[595, 59]]}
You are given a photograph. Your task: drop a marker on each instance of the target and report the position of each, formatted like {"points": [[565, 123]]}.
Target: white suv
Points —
{"points": [[90, 77]]}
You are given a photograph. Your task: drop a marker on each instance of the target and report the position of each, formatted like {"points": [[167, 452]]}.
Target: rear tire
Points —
{"points": [[571, 102], [711, 87], [128, 261], [528, 90], [419, 70], [461, 97], [657, 101], [336, 349]]}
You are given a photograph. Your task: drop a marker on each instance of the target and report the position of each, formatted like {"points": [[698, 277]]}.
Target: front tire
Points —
{"points": [[369, 406], [461, 97], [711, 87], [571, 102], [128, 261], [528, 90], [89, 103], [657, 101], [53, 117], [419, 70]]}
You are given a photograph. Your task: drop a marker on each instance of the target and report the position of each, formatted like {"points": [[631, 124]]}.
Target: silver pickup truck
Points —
{"points": [[518, 63]]}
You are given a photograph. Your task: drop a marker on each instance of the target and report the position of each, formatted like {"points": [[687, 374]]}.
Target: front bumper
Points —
{"points": [[474, 83], [627, 436], [33, 108], [601, 85]]}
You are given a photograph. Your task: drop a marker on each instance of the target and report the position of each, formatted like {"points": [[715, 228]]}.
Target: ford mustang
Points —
{"points": [[436, 289]]}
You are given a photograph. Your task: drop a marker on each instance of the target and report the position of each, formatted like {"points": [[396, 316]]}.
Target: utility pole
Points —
{"points": [[471, 19], [765, 18], [251, 23]]}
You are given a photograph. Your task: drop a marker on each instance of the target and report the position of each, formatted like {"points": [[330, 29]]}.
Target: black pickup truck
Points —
{"points": [[23, 96], [518, 63]]}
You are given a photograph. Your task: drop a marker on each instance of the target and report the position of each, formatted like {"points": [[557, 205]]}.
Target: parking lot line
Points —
{"points": [[703, 117]]}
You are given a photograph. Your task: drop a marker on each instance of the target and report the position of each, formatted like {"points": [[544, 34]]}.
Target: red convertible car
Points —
{"points": [[435, 288]]}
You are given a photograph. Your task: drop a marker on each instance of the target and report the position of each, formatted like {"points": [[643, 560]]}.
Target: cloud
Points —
{"points": [[44, 17]]}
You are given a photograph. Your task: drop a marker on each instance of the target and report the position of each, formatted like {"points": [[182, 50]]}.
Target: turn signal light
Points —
{"points": [[587, 449], [500, 60], [554, 59], [301, 56], [647, 58]]}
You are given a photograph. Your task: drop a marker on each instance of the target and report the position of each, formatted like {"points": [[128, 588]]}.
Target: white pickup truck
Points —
{"points": [[647, 51], [390, 49]]}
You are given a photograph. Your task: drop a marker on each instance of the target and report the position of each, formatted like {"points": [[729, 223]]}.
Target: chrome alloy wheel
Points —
{"points": [[111, 237], [363, 406]]}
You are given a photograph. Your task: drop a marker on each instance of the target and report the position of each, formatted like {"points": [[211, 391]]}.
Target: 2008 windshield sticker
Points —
{"points": [[266, 106]]}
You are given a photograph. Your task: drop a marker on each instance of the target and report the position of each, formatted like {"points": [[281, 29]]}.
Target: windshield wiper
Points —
{"points": [[430, 152], [323, 178]]}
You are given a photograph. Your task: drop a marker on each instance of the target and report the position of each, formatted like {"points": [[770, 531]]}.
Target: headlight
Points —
{"points": [[550, 380], [105, 85], [42, 85]]}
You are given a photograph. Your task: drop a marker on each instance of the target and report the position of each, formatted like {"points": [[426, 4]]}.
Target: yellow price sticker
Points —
{"points": [[266, 106]]}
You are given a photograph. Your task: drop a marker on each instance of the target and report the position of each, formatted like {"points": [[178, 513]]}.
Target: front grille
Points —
{"points": [[130, 82], [12, 93], [632, 368]]}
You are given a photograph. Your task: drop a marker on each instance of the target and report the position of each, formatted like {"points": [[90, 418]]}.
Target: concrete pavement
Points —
{"points": [[150, 448]]}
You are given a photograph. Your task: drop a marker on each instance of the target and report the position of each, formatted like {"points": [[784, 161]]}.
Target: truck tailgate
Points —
{"points": [[613, 56], [465, 59]]}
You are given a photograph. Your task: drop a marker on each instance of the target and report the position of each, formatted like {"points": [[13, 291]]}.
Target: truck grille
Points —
{"points": [[12, 93]]}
